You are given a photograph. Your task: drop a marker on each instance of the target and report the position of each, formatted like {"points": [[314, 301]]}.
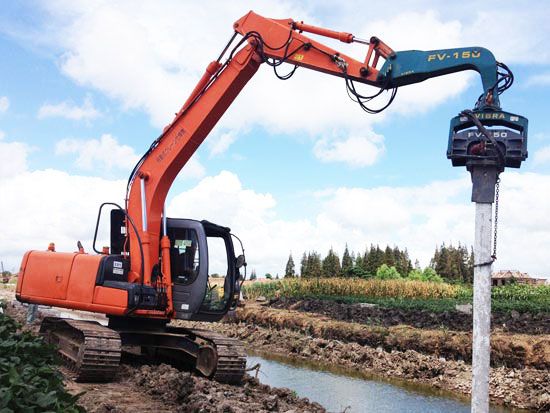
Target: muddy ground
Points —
{"points": [[437, 358], [164, 389], [513, 322], [334, 343]]}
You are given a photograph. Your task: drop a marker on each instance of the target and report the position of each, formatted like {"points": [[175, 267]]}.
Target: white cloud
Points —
{"points": [[233, 202], [219, 144], [193, 169], [414, 217], [47, 205], [541, 79], [432, 31], [417, 217], [138, 56], [247, 212], [13, 158], [52, 206], [2, 135], [104, 152], [4, 104], [356, 151], [542, 156], [517, 34], [107, 153], [69, 110]]}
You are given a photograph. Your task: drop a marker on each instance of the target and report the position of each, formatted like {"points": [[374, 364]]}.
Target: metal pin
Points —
{"points": [[362, 41], [164, 231]]}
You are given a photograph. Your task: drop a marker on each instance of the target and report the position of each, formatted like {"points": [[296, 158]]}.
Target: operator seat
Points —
{"points": [[181, 264]]}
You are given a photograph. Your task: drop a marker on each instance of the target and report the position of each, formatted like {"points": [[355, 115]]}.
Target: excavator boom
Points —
{"points": [[275, 42]]}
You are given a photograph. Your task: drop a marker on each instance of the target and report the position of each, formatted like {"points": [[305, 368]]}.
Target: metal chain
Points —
{"points": [[497, 190]]}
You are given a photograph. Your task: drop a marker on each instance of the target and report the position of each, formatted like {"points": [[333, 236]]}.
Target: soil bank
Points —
{"points": [[390, 353]]}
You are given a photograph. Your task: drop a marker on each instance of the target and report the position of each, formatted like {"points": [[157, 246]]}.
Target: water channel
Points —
{"points": [[337, 391]]}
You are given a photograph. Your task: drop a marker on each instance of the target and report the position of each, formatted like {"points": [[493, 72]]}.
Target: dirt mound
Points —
{"points": [[514, 322], [164, 382], [184, 392], [510, 350], [163, 388]]}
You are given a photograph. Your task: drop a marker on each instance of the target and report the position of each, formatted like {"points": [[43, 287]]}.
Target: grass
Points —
{"points": [[404, 294]]}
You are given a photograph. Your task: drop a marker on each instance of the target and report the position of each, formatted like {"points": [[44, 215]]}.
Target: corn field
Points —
{"points": [[356, 288], [515, 296]]}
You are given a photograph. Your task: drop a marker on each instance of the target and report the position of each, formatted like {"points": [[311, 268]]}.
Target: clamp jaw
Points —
{"points": [[487, 141]]}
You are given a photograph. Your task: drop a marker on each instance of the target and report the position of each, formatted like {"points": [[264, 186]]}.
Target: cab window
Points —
{"points": [[218, 274], [184, 255]]}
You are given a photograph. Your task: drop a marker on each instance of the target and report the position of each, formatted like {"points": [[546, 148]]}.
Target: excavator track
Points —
{"points": [[212, 354], [230, 355], [91, 351]]}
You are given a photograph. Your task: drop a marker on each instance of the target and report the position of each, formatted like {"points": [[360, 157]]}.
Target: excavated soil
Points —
{"points": [[508, 350], [164, 389], [334, 343], [513, 322]]}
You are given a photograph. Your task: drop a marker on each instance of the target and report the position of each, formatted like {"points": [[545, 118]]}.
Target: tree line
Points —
{"points": [[453, 264]]}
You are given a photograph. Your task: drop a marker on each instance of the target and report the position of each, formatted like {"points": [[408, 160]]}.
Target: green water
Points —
{"points": [[339, 391]]}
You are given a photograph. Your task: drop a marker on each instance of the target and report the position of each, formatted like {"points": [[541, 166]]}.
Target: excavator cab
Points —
{"points": [[204, 269]]}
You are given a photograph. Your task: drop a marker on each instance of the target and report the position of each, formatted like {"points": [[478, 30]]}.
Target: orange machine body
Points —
{"points": [[67, 280]]}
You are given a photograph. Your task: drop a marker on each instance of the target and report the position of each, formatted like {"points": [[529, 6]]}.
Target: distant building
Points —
{"points": [[508, 276]]}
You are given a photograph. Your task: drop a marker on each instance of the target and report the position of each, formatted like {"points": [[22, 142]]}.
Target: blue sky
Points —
{"points": [[86, 86]]}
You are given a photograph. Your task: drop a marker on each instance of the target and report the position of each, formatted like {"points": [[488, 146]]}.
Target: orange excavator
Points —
{"points": [[157, 268]]}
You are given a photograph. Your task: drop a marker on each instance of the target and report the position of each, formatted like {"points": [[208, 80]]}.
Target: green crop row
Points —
{"points": [[521, 292], [403, 293], [29, 381]]}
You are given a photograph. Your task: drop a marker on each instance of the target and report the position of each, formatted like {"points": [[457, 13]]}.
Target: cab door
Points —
{"points": [[188, 265]]}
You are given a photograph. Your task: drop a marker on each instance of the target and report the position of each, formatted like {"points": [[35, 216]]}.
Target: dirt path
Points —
{"points": [[117, 397], [285, 333]]}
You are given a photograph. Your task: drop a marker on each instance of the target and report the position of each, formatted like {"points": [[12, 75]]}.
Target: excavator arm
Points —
{"points": [[283, 40], [274, 42]]}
